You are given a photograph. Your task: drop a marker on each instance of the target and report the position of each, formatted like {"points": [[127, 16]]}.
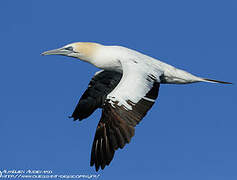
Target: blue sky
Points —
{"points": [[191, 131]]}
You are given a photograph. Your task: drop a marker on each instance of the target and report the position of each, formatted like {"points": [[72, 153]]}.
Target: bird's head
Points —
{"points": [[81, 50]]}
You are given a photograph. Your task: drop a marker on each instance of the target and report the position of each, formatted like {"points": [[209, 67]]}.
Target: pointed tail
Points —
{"points": [[215, 81]]}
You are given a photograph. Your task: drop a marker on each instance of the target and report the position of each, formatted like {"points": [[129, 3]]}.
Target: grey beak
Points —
{"points": [[59, 51]]}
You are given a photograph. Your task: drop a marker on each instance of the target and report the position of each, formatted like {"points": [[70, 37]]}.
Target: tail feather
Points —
{"points": [[216, 81]]}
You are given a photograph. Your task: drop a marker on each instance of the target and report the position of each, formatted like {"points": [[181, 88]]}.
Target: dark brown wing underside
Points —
{"points": [[93, 98], [116, 127]]}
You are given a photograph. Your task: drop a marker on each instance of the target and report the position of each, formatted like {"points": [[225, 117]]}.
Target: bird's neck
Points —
{"points": [[106, 57]]}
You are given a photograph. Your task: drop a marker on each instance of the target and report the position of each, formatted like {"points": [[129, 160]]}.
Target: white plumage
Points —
{"points": [[125, 89]]}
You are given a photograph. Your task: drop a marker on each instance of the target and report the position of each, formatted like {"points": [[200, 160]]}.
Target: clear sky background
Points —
{"points": [[191, 131]]}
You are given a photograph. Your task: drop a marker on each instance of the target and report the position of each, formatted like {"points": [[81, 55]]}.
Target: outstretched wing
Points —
{"points": [[123, 109], [102, 83]]}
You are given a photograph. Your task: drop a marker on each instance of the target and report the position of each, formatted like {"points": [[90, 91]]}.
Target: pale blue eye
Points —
{"points": [[70, 48]]}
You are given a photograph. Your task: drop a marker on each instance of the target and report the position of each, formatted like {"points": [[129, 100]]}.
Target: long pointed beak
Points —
{"points": [[59, 51]]}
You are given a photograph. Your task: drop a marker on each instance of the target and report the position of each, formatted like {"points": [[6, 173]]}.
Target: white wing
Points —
{"points": [[136, 81], [124, 107]]}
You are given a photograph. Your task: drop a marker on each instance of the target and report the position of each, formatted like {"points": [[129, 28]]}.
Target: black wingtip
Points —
{"points": [[74, 119]]}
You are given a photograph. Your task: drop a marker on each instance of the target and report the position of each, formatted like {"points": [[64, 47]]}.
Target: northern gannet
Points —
{"points": [[125, 89]]}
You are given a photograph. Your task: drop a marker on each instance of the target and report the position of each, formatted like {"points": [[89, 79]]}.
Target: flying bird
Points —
{"points": [[125, 88]]}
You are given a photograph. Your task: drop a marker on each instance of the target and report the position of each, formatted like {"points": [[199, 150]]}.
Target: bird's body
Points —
{"points": [[112, 58], [125, 89]]}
